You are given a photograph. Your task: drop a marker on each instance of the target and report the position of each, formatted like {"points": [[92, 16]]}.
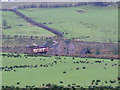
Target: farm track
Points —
{"points": [[29, 20]]}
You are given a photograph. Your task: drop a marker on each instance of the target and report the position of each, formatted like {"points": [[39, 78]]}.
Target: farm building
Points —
{"points": [[62, 48], [93, 49], [71, 48], [52, 50]]}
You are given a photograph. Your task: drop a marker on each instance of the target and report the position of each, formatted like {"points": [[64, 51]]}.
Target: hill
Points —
{"points": [[87, 23], [17, 26]]}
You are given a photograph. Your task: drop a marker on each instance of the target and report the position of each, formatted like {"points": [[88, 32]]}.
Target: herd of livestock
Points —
{"points": [[54, 63]]}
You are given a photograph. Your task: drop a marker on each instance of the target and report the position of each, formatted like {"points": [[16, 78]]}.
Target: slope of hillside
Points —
{"points": [[17, 26], [88, 23]]}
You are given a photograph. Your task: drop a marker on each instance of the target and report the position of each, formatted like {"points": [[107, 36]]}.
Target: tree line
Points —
{"points": [[22, 5]]}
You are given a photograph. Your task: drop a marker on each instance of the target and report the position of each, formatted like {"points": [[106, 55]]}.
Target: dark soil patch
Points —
{"points": [[80, 11]]}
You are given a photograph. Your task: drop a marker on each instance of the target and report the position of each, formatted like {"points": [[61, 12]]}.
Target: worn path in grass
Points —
{"points": [[66, 69]]}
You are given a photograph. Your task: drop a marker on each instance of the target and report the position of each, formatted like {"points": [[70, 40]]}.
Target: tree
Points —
{"points": [[104, 3], [4, 23]]}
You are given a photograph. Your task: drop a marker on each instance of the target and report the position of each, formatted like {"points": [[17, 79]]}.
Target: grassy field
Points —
{"points": [[40, 75], [88, 23], [99, 23], [20, 27]]}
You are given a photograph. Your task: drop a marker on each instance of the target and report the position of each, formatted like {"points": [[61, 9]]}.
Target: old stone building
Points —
{"points": [[62, 48], [71, 48], [52, 50]]}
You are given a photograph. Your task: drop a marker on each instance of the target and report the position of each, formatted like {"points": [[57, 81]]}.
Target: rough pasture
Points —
{"points": [[26, 71], [29, 20], [94, 24], [20, 27]]}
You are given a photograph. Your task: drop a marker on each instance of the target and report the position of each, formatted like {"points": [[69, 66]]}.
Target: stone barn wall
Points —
{"points": [[79, 47], [62, 48], [52, 50], [93, 49], [71, 48]]}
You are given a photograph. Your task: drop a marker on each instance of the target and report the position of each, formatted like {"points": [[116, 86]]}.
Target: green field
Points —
{"points": [[54, 74], [27, 29], [88, 23], [99, 23]]}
